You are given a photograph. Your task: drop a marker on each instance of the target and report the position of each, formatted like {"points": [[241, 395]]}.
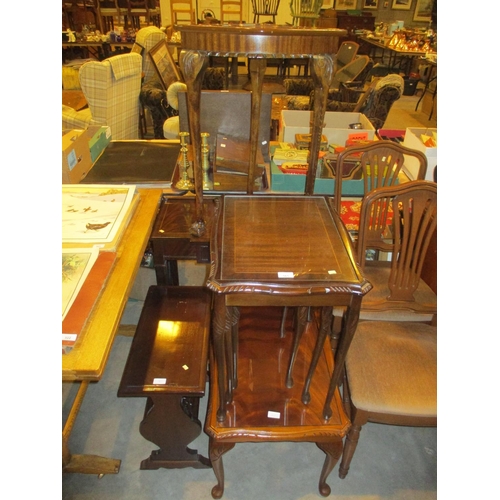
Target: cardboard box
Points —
{"points": [[413, 141], [325, 184], [336, 130], [76, 160], [99, 137]]}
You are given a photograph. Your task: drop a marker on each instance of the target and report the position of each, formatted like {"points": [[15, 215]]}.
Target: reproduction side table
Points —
{"points": [[284, 251], [256, 42], [281, 251]]}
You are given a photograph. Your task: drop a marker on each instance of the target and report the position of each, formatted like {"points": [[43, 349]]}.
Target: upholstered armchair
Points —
{"points": [[111, 88], [374, 102]]}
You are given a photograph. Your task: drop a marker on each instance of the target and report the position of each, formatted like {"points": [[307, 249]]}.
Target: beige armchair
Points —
{"points": [[111, 88]]}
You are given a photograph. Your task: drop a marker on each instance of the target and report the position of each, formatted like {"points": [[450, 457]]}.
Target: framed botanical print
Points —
{"points": [[401, 4], [423, 10], [345, 4], [370, 4]]}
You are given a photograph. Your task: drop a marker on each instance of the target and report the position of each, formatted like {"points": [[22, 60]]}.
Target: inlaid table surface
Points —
{"points": [[280, 251]]}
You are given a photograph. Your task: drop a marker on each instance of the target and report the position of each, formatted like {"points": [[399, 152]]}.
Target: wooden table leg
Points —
{"points": [[322, 74], [257, 72], [333, 452], [193, 65], [221, 330], [171, 422], [325, 329], [217, 449], [349, 327], [83, 464]]}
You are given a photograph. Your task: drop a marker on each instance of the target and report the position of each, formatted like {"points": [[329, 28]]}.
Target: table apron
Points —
{"points": [[264, 299]]}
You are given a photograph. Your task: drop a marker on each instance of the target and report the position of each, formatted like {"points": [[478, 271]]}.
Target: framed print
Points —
{"points": [[327, 4], [423, 10], [401, 4], [164, 64], [370, 4], [345, 4]]}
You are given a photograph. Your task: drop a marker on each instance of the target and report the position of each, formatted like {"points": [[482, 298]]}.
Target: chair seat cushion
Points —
{"points": [[392, 368]]}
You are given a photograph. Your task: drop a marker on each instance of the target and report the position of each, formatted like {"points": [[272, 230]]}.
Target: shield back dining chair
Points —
{"points": [[399, 220]]}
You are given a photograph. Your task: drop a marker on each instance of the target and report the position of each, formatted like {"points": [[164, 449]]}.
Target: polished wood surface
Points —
{"points": [[257, 42], [171, 239], [167, 363], [283, 251], [264, 409], [88, 358]]}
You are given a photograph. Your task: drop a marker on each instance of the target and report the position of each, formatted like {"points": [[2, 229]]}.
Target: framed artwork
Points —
{"points": [[401, 4], [370, 4], [423, 10], [164, 64], [345, 4], [94, 214], [76, 265], [327, 4]]}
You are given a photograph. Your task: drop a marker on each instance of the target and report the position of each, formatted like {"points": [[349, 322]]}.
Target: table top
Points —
{"points": [[260, 39], [88, 358], [282, 245]]}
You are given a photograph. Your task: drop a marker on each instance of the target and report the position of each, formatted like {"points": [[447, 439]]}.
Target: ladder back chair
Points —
{"points": [[231, 11], [182, 12]]}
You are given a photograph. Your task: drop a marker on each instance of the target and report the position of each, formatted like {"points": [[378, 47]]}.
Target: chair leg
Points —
{"points": [[359, 418]]}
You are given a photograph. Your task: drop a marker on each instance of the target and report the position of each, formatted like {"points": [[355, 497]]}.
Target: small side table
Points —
{"points": [[167, 364]]}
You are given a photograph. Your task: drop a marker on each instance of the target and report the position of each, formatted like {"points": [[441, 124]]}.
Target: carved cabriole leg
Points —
{"points": [[216, 450], [321, 72], [300, 325], [257, 72], [333, 452], [193, 65], [325, 328], [349, 327], [283, 322], [235, 318], [220, 328], [351, 442]]}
